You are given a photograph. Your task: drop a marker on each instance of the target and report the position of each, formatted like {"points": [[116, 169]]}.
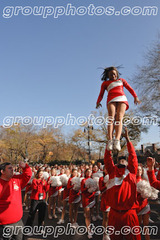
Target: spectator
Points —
{"points": [[10, 197]]}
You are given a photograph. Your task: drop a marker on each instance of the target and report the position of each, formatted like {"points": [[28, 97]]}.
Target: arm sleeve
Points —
{"points": [[132, 159], [152, 179], [129, 88], [100, 97], [108, 162], [83, 188], [102, 186], [25, 176], [69, 186]]}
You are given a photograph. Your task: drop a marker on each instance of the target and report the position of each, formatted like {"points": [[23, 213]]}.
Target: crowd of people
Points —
{"points": [[111, 193]]}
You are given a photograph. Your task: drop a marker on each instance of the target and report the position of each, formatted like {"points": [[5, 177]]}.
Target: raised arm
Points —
{"points": [[151, 174], [25, 176], [108, 162], [132, 157]]}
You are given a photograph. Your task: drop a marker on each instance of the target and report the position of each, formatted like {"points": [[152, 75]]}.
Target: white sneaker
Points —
{"points": [[76, 224], [59, 209], [60, 221], [106, 237], [117, 145], [26, 208], [90, 235], [150, 220], [110, 145], [50, 216], [94, 218], [54, 216], [98, 217]]}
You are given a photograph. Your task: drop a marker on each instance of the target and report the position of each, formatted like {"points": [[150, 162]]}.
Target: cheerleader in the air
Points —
{"points": [[117, 103]]}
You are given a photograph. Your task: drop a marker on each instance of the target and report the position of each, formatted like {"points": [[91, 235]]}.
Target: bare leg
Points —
{"points": [[64, 209], [111, 115], [49, 205], [121, 107], [71, 212], [87, 217], [145, 224], [76, 206]]}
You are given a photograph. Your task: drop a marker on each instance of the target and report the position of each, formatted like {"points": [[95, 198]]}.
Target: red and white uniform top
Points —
{"points": [[115, 91], [121, 191], [87, 197], [73, 195]]}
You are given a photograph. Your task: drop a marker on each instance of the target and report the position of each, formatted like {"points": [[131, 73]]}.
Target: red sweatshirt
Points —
{"points": [[121, 190], [152, 179], [10, 197]]}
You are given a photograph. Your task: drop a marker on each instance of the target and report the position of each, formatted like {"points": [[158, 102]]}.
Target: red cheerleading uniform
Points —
{"points": [[102, 187], [73, 195], [10, 197], [65, 193], [115, 91], [121, 194], [143, 202], [39, 186], [152, 179], [87, 197]]}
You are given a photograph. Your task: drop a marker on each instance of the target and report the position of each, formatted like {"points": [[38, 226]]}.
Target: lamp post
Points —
{"points": [[87, 129]]}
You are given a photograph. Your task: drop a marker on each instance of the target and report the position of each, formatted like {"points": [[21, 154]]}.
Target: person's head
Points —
{"points": [[6, 171], [88, 173], [99, 164], [62, 171], [139, 170], [122, 162], [67, 172], [53, 172], [39, 174], [74, 172], [110, 73], [95, 168], [105, 171]]}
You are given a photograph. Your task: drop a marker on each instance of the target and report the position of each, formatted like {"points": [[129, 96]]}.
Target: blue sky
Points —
{"points": [[50, 66]]}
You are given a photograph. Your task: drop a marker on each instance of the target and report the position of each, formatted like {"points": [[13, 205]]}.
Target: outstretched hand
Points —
{"points": [[22, 164], [125, 134], [136, 100], [98, 105], [150, 163]]}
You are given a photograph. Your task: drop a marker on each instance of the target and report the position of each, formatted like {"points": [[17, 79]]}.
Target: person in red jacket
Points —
{"points": [[143, 210], [117, 103], [10, 196], [121, 193], [88, 201], [151, 174], [38, 196]]}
